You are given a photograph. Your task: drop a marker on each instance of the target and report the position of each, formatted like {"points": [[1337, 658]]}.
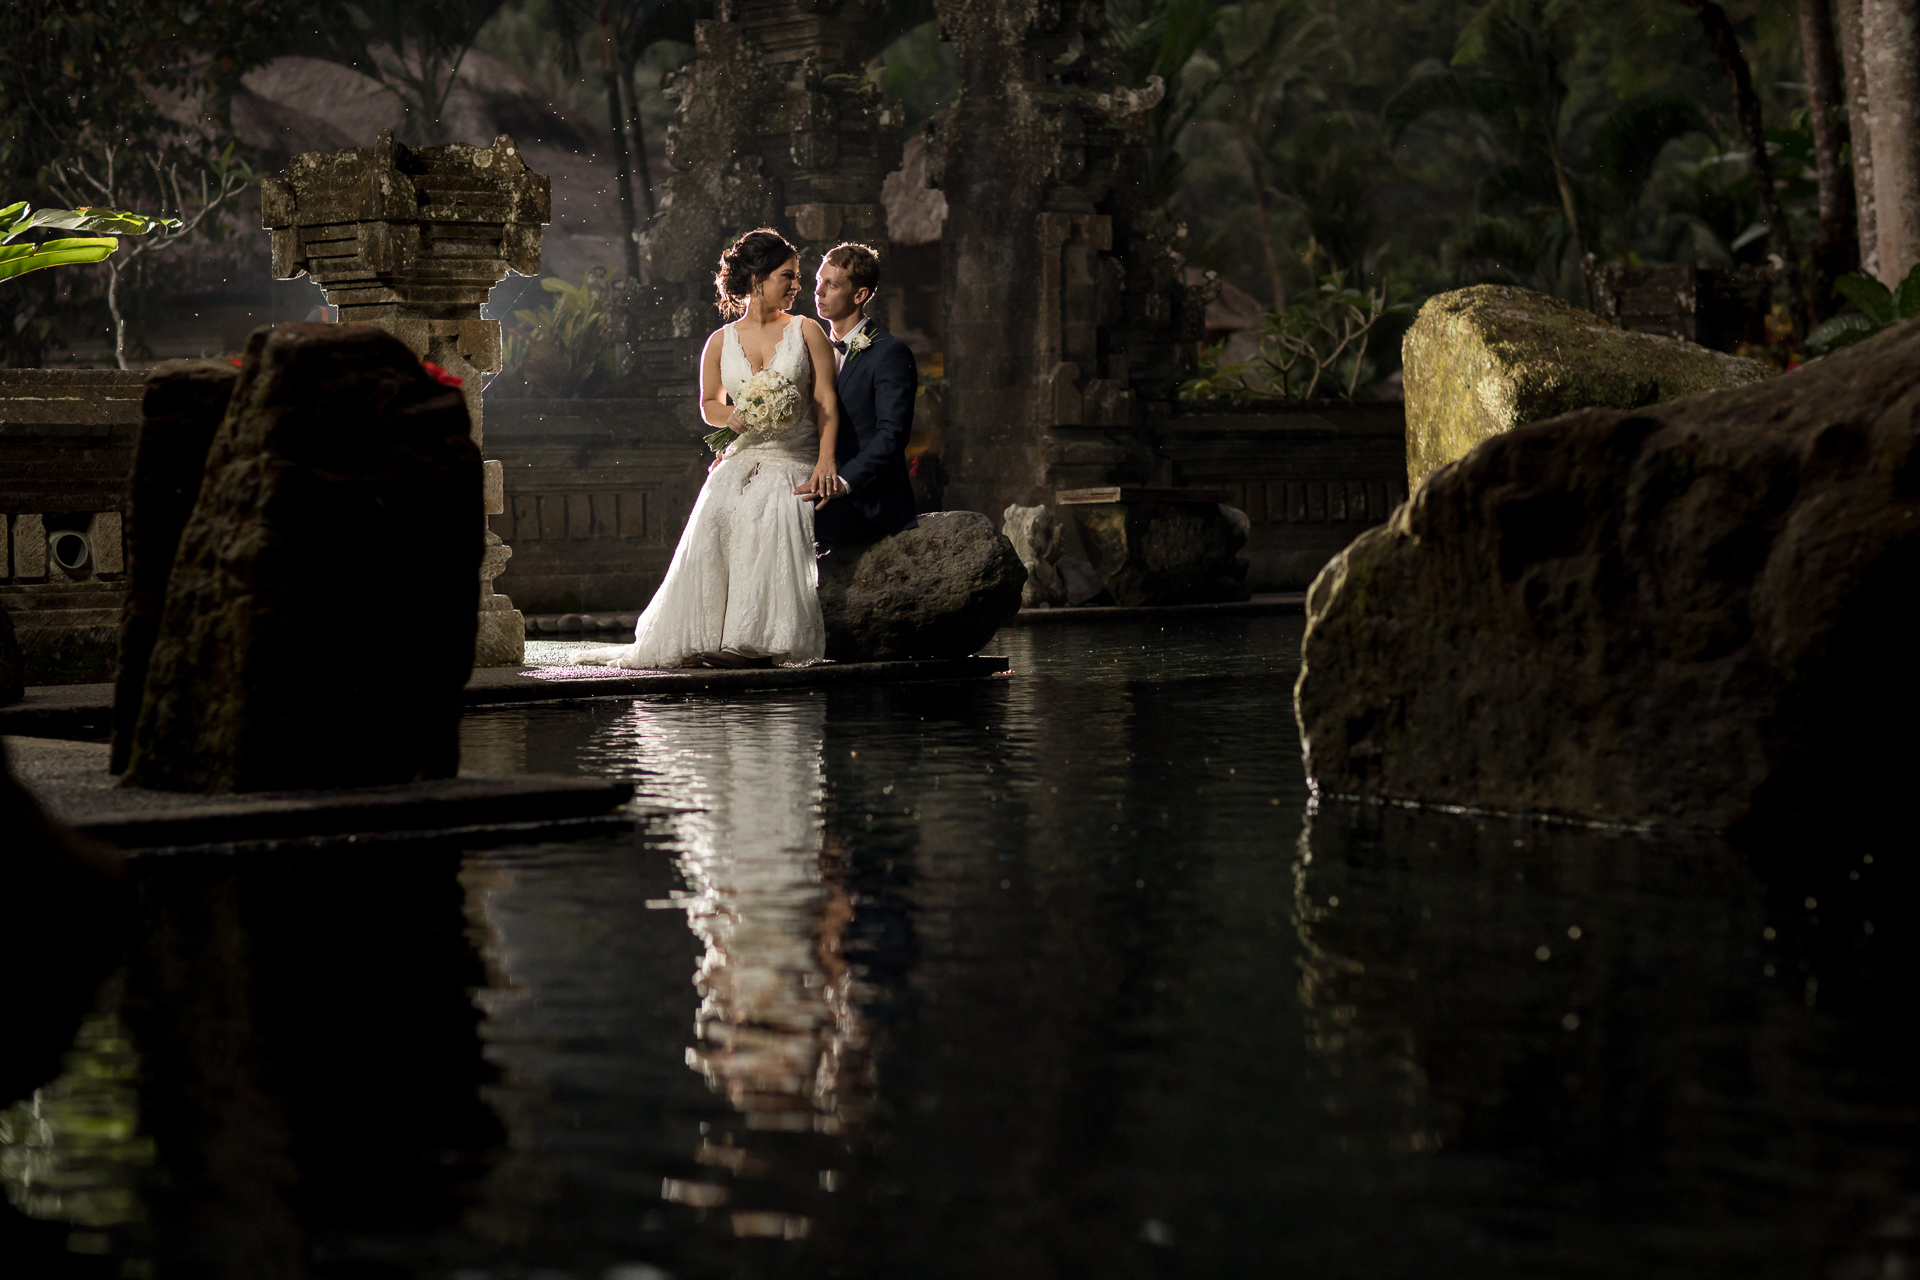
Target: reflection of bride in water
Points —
{"points": [[778, 1028]]}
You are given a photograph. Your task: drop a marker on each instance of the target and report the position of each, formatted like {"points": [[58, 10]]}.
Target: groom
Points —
{"points": [[878, 381]]}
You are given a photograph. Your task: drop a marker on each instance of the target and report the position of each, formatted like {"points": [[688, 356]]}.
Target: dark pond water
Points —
{"points": [[1055, 976]]}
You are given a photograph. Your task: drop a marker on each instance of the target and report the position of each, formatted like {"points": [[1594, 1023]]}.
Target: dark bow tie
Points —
{"points": [[840, 345]]}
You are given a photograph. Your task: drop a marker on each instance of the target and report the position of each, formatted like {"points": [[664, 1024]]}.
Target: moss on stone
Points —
{"points": [[1484, 360]]}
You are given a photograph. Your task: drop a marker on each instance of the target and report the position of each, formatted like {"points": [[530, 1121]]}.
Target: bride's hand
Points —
{"points": [[824, 485]]}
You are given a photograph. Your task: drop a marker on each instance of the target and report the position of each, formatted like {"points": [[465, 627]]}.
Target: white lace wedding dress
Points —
{"points": [[743, 577]]}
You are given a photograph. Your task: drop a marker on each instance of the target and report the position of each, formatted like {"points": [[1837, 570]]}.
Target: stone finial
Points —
{"points": [[413, 239], [389, 228]]}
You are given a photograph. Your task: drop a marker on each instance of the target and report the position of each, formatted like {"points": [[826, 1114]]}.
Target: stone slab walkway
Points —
{"points": [[609, 628], [85, 711], [493, 686], [71, 781]]}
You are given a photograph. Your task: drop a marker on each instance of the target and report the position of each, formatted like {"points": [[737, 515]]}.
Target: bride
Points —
{"points": [[741, 588]]}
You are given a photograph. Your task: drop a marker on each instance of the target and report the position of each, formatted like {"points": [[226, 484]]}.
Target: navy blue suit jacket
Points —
{"points": [[876, 389]]}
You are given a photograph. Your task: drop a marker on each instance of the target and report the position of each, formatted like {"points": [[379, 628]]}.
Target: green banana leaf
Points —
{"points": [[18, 217], [18, 259]]}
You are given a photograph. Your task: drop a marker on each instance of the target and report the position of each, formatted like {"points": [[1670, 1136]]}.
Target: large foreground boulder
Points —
{"points": [[938, 591], [343, 484], [1484, 360], [1699, 614], [180, 411]]}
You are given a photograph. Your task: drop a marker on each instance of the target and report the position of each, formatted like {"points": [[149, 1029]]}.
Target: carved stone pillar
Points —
{"points": [[413, 239], [1069, 324], [775, 124]]}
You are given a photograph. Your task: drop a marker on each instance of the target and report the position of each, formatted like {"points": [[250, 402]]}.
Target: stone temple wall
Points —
{"points": [[597, 492], [775, 124], [1069, 326]]}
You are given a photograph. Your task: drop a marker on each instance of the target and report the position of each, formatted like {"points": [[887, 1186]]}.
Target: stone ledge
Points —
{"points": [[71, 780], [1259, 606]]}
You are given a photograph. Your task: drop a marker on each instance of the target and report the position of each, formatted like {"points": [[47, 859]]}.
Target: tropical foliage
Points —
{"points": [[1429, 145], [1422, 145], [559, 351], [1879, 308], [1413, 145], [19, 218], [1317, 347]]}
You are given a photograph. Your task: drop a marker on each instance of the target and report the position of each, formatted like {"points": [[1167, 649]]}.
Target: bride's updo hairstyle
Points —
{"points": [[755, 255]]}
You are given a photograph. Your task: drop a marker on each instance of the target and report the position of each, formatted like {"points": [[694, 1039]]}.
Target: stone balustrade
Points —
{"points": [[66, 447]]}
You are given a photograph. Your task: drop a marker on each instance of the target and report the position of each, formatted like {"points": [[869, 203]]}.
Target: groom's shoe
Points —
{"points": [[728, 660]]}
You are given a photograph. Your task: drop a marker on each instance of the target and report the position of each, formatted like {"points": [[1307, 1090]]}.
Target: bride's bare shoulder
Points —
{"points": [[815, 336]]}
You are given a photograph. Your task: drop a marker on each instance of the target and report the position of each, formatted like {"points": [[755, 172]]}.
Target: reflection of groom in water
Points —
{"points": [[877, 383]]}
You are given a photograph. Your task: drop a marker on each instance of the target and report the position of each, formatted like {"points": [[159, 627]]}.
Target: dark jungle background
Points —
{"points": [[1410, 145]]}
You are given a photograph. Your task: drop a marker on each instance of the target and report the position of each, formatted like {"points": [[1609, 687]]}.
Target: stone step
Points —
{"points": [[549, 624], [20, 601], [63, 619]]}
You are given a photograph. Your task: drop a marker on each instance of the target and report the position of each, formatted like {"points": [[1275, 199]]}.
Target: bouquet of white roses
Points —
{"points": [[766, 406]]}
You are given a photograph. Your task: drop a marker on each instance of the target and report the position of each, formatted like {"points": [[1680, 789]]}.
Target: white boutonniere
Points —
{"points": [[861, 339]]}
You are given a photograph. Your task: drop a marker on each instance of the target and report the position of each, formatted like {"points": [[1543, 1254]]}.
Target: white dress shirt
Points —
{"points": [[839, 356]]}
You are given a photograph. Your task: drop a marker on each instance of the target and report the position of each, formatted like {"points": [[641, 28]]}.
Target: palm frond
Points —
{"points": [[1432, 88], [1632, 135]]}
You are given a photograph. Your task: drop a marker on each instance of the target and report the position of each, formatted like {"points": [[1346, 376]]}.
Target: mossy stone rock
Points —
{"points": [[1482, 361], [936, 591], [180, 412], [1161, 553], [342, 485], [1697, 614]]}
